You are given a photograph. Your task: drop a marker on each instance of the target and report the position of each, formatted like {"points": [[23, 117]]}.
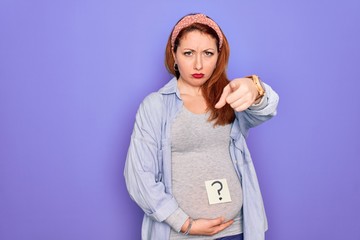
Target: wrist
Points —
{"points": [[186, 227], [259, 87]]}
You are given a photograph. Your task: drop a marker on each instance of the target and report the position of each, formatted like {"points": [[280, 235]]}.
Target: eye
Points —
{"points": [[208, 53], [188, 53]]}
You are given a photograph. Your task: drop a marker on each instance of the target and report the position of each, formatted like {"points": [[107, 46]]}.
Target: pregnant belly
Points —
{"points": [[193, 199]]}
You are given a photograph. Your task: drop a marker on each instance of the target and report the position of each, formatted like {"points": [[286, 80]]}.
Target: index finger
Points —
{"points": [[224, 95]]}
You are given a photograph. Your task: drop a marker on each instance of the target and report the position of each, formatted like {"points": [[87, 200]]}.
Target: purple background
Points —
{"points": [[72, 74]]}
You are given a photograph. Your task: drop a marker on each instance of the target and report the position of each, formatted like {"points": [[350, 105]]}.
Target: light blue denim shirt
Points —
{"points": [[148, 163]]}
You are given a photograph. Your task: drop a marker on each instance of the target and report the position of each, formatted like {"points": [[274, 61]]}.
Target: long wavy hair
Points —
{"points": [[213, 87]]}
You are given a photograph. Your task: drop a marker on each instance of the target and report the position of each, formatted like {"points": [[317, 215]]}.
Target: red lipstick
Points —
{"points": [[198, 75]]}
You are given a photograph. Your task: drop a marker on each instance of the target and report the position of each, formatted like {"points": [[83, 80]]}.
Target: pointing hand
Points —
{"points": [[240, 94]]}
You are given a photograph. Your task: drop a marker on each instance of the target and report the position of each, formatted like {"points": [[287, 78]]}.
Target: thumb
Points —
{"points": [[222, 101]]}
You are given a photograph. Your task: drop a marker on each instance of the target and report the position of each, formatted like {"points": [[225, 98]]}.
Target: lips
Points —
{"points": [[198, 75]]}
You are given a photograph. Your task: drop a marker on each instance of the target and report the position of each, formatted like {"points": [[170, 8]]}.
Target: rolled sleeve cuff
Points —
{"points": [[165, 211], [177, 219], [262, 104]]}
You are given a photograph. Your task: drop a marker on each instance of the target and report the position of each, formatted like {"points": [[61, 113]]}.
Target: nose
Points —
{"points": [[198, 63]]}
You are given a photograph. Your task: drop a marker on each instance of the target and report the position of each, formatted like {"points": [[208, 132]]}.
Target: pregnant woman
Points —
{"points": [[188, 166]]}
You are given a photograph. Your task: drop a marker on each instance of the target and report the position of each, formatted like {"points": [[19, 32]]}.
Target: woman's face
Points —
{"points": [[196, 57]]}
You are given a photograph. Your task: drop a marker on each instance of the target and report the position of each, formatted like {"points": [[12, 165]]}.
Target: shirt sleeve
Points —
{"points": [[177, 219], [259, 113], [143, 162], [263, 102]]}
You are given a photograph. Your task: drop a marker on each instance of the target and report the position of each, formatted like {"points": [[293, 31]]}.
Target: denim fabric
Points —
{"points": [[235, 237]]}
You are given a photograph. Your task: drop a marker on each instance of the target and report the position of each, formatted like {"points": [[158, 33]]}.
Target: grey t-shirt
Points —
{"points": [[200, 152]]}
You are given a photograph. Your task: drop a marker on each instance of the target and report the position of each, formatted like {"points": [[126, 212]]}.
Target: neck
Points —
{"points": [[187, 89]]}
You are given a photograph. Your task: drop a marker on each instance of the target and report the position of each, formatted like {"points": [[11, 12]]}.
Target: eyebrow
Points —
{"points": [[212, 49]]}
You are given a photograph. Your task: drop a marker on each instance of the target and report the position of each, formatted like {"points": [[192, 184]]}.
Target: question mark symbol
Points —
{"points": [[219, 190]]}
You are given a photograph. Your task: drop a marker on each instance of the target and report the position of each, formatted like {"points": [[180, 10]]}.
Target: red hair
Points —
{"points": [[213, 87]]}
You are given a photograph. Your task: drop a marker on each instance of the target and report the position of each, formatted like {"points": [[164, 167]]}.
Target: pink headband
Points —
{"points": [[197, 18]]}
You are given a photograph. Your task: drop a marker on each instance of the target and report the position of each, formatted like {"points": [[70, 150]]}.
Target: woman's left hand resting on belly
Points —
{"points": [[240, 94], [207, 227]]}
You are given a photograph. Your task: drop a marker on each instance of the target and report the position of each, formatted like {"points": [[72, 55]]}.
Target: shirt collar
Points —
{"points": [[170, 88]]}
